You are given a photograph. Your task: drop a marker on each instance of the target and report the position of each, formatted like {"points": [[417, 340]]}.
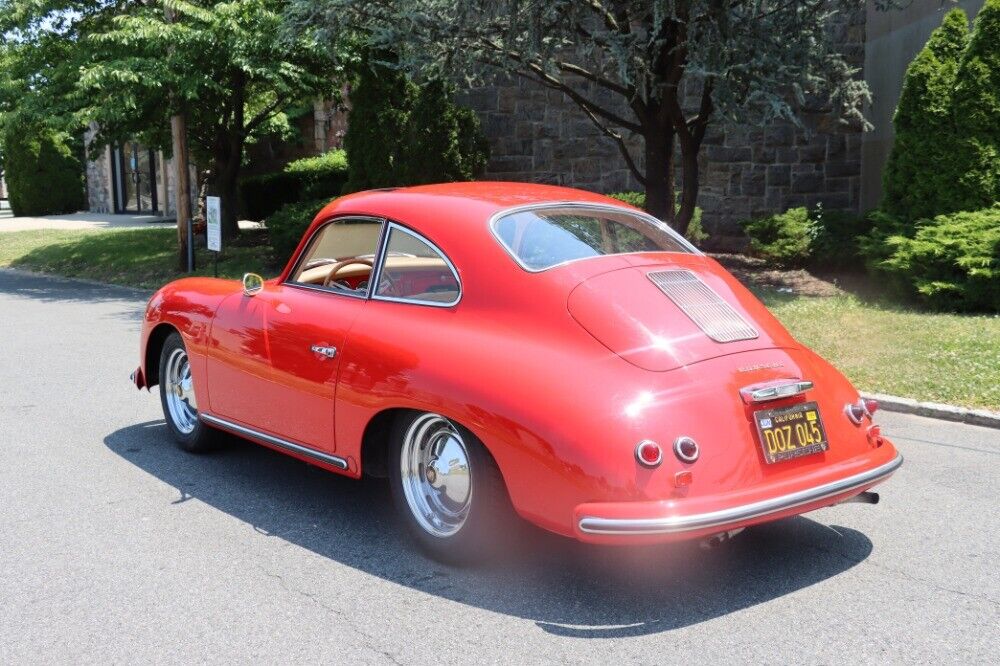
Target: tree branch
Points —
{"points": [[534, 70]]}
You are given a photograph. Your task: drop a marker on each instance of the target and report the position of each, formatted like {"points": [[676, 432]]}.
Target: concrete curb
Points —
{"points": [[936, 410]]}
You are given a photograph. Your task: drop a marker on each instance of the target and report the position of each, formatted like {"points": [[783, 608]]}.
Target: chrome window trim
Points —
{"points": [[383, 250], [659, 224], [700, 521], [336, 461], [328, 290]]}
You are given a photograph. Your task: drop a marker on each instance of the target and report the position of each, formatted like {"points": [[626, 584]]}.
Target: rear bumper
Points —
{"points": [[667, 521]]}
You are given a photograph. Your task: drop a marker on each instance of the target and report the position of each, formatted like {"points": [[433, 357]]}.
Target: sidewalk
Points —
{"points": [[82, 221]]}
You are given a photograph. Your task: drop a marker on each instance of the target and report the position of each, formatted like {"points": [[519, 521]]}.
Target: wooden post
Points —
{"points": [[182, 188]]}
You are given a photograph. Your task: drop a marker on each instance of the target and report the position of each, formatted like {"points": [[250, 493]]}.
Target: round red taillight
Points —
{"points": [[686, 449], [856, 412], [648, 453], [871, 405]]}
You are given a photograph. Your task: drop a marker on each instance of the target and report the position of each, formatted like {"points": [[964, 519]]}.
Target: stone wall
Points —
{"points": [[98, 173], [539, 135]]}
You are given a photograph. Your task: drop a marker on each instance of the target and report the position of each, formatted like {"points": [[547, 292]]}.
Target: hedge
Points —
{"points": [[818, 238], [286, 225], [952, 262], [308, 178], [43, 175]]}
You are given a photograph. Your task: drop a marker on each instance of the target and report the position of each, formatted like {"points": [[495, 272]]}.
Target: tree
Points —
{"points": [[630, 65], [977, 113], [221, 64], [920, 176], [401, 133]]}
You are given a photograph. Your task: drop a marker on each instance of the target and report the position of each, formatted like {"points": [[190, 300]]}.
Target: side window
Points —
{"points": [[414, 270], [340, 256]]}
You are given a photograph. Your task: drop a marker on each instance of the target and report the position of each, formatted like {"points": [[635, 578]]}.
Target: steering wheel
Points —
{"points": [[337, 267]]}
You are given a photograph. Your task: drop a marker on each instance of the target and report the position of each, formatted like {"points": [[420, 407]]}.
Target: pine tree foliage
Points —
{"points": [[977, 114], [923, 166], [401, 133]]}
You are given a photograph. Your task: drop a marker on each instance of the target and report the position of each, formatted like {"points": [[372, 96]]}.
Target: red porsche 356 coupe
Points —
{"points": [[489, 346]]}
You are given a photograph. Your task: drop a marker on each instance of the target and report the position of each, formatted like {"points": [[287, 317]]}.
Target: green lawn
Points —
{"points": [[936, 357], [134, 257], [946, 358]]}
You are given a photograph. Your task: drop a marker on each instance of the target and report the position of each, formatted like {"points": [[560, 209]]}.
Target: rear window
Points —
{"points": [[541, 238]]}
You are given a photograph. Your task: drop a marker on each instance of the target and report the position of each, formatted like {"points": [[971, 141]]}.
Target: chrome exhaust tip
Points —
{"points": [[866, 497]]}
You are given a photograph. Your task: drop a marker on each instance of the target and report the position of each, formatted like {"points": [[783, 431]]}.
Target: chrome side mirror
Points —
{"points": [[252, 284]]}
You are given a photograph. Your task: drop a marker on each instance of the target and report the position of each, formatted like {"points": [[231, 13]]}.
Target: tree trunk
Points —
{"points": [[689, 185], [659, 154], [182, 189], [225, 183]]}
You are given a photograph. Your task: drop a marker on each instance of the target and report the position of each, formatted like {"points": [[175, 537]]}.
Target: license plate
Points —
{"points": [[790, 432]]}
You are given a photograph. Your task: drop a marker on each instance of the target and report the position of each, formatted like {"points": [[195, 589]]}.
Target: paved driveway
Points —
{"points": [[116, 546], [82, 221]]}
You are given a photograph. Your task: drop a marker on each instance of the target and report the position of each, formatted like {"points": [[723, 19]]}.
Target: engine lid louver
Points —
{"points": [[704, 307]]}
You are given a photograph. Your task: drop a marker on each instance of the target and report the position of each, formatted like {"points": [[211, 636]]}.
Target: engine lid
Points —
{"points": [[665, 316]]}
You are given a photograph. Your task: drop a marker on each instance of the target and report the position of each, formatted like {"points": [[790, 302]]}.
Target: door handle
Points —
{"points": [[326, 352]]}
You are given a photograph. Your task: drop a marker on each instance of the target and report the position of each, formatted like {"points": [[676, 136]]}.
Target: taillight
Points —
{"points": [[857, 411], [686, 449], [648, 453], [871, 405]]}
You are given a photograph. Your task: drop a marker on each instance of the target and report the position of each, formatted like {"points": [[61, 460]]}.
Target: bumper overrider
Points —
{"points": [[667, 521]]}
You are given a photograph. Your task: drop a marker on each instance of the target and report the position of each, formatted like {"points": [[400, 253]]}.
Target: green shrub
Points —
{"points": [[923, 166], [308, 178], [43, 175], [953, 261], [286, 225], [783, 239], [695, 232], [836, 241], [637, 199], [399, 133], [977, 113]]}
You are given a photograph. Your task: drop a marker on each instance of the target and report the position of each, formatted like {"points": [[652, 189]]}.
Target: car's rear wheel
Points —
{"points": [[180, 407], [447, 488]]}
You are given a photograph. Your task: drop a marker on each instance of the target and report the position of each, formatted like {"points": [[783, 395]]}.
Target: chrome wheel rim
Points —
{"points": [[437, 479], [181, 403]]}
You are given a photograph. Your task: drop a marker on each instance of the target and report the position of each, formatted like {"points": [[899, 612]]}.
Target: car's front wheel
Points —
{"points": [[447, 488], [180, 408]]}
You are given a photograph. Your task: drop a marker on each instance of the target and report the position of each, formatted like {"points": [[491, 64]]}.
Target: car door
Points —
{"points": [[276, 354]]}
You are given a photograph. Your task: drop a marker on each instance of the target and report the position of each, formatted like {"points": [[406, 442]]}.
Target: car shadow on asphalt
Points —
{"points": [[564, 587], [54, 289]]}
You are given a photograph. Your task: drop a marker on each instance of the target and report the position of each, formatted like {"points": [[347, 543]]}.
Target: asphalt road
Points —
{"points": [[117, 547]]}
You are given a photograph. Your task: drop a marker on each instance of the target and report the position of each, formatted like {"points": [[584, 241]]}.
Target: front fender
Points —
{"points": [[188, 307]]}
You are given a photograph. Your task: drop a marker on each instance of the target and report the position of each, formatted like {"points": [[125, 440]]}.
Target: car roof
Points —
{"points": [[480, 197], [453, 215]]}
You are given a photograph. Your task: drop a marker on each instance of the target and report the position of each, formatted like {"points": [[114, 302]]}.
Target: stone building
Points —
{"points": [[130, 178], [539, 135]]}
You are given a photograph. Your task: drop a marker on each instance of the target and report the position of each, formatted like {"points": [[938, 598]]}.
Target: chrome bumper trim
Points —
{"points": [[699, 521], [336, 461]]}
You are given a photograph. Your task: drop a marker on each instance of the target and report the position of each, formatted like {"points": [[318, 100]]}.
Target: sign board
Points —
{"points": [[213, 223]]}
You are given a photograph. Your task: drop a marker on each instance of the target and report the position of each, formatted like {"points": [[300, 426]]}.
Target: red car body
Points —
{"points": [[560, 373]]}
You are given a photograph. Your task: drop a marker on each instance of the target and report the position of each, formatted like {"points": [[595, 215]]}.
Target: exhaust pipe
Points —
{"points": [[715, 540], [866, 497]]}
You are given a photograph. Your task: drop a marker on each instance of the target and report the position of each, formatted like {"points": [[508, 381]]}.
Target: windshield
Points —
{"points": [[544, 237]]}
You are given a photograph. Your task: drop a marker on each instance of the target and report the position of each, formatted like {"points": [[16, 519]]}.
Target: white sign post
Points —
{"points": [[213, 227]]}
